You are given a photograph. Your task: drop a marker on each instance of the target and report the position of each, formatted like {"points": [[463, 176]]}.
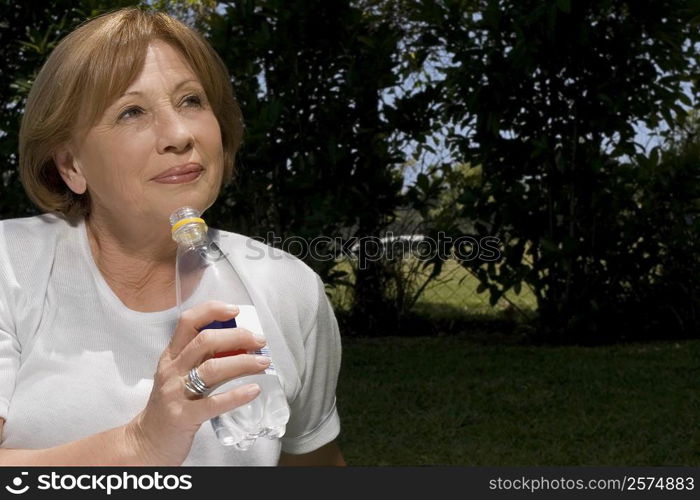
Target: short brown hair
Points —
{"points": [[89, 69]]}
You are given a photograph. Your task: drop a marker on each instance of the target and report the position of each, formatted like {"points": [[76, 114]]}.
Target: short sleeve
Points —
{"points": [[314, 419], [9, 344]]}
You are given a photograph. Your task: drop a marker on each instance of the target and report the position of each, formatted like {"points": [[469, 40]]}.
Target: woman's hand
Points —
{"points": [[162, 433]]}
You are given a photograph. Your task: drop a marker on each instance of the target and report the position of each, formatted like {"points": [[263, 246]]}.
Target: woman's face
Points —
{"points": [[155, 149]]}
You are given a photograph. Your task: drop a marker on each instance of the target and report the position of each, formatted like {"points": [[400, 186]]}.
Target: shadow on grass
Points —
{"points": [[501, 327], [504, 326]]}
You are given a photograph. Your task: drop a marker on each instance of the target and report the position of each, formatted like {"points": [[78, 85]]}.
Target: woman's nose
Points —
{"points": [[173, 132]]}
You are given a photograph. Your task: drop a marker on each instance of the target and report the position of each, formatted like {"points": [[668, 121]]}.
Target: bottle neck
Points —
{"points": [[191, 234]]}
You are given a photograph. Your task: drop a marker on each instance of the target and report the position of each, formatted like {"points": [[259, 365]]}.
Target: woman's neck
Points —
{"points": [[137, 263]]}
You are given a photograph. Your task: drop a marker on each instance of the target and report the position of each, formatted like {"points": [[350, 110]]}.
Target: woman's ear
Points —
{"points": [[70, 170]]}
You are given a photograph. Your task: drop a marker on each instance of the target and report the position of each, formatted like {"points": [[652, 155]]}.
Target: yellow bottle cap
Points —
{"points": [[188, 220]]}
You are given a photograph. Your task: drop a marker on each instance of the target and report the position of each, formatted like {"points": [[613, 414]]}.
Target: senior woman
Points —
{"points": [[131, 117]]}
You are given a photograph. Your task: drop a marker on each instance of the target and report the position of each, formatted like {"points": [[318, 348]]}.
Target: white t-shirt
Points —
{"points": [[75, 361]]}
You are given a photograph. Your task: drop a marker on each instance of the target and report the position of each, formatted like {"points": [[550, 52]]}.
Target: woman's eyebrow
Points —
{"points": [[181, 84]]}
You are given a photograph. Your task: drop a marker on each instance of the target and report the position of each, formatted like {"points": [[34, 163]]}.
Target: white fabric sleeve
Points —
{"points": [[314, 418], [9, 344]]}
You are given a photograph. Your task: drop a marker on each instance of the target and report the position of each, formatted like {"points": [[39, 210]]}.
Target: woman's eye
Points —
{"points": [[192, 100], [130, 112]]}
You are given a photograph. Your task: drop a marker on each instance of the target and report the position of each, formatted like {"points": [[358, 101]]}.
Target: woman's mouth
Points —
{"points": [[180, 174]]}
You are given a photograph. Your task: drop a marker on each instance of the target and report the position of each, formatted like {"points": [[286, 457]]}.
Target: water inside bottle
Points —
{"points": [[266, 418]]}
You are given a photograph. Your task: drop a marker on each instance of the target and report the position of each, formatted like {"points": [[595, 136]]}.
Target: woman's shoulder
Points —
{"points": [[27, 242], [281, 277], [37, 228], [261, 258], [27, 255]]}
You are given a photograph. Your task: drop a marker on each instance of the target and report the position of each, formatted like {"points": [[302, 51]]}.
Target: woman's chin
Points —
{"points": [[199, 201]]}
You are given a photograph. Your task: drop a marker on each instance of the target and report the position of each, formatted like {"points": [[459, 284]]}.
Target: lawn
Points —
{"points": [[454, 291], [456, 287], [453, 401]]}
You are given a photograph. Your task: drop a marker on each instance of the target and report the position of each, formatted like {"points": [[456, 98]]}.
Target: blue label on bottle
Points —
{"points": [[229, 323]]}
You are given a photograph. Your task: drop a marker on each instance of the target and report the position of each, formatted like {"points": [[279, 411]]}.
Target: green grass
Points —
{"points": [[454, 291], [456, 287], [451, 401]]}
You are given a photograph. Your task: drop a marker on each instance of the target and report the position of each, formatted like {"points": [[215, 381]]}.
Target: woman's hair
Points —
{"points": [[86, 72]]}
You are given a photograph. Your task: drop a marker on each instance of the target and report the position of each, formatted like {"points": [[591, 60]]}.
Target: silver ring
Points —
{"points": [[194, 383]]}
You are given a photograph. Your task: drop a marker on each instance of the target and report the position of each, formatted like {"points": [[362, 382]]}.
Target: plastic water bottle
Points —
{"points": [[203, 272]]}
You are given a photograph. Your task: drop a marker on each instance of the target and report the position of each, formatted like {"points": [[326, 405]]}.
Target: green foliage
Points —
{"points": [[315, 159], [194, 13], [320, 153], [668, 228], [548, 93]]}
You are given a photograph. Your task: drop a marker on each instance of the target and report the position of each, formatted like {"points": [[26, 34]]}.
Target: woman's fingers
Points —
{"points": [[216, 404], [214, 371], [194, 319], [208, 343]]}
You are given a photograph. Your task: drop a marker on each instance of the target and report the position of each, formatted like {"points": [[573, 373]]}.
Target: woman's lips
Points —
{"points": [[178, 179], [180, 175]]}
